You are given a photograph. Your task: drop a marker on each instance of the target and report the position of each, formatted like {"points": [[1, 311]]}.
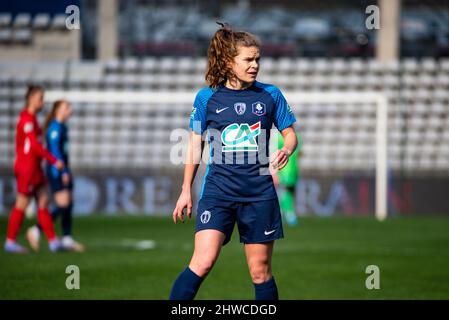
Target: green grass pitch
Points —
{"points": [[322, 258]]}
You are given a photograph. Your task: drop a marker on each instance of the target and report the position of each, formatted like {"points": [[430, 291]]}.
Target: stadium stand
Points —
{"points": [[39, 37], [336, 137]]}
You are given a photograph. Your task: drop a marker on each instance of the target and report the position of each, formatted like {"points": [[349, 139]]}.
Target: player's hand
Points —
{"points": [[184, 201], [280, 159], [59, 165], [65, 178]]}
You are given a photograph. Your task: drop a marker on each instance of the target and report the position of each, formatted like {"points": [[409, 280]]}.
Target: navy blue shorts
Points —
{"points": [[258, 222], [57, 185]]}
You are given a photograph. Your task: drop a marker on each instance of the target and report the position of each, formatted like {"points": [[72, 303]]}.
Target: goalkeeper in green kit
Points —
{"points": [[286, 179]]}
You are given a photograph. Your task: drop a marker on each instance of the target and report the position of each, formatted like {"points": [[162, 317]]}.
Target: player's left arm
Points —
{"points": [[54, 136], [280, 157], [283, 120]]}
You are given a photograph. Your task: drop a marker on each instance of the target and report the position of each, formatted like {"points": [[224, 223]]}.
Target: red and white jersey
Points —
{"points": [[29, 150]]}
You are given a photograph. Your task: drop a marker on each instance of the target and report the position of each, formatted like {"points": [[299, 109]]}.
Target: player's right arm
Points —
{"points": [[193, 157], [194, 150]]}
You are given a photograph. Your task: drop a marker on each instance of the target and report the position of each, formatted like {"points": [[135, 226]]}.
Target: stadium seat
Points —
{"points": [[167, 65], [339, 65], [357, 65], [149, 64], [113, 66], [22, 20], [59, 22], [428, 65], [5, 20], [5, 35], [374, 67], [444, 65], [301, 66], [185, 65], [200, 65], [131, 65], [41, 21], [410, 65]]}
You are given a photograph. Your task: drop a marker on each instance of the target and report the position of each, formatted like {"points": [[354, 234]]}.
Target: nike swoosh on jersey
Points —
{"points": [[220, 110], [269, 232]]}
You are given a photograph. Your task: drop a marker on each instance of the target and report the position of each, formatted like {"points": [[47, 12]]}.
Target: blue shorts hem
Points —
{"points": [[227, 237], [264, 240]]}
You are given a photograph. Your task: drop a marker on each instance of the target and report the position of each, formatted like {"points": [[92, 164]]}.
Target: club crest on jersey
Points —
{"points": [[205, 217], [28, 127], [240, 137], [259, 108], [240, 108]]}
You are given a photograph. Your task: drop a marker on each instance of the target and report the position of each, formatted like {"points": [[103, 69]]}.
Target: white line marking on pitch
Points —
{"points": [[139, 244]]}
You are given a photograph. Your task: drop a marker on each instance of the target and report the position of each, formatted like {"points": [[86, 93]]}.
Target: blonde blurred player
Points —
{"points": [[57, 139]]}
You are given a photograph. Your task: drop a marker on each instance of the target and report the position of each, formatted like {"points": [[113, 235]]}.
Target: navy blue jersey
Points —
{"points": [[58, 144], [238, 123]]}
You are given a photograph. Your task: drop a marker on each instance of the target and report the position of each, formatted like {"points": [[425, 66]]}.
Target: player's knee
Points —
{"points": [[43, 203], [260, 272], [65, 203], [202, 266], [62, 199]]}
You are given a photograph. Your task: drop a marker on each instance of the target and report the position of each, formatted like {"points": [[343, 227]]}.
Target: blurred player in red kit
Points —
{"points": [[30, 177]]}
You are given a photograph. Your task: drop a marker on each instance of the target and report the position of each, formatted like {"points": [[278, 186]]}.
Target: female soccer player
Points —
{"points": [[29, 175], [238, 113], [61, 185]]}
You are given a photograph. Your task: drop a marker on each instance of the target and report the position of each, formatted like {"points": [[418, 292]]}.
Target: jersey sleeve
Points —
{"points": [[283, 116], [30, 133], [199, 111]]}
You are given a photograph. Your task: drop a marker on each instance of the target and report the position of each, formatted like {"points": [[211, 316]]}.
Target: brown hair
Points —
{"points": [[52, 114], [32, 89], [222, 50]]}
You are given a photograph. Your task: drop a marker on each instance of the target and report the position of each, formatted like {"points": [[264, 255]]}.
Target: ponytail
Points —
{"points": [[222, 50], [52, 115]]}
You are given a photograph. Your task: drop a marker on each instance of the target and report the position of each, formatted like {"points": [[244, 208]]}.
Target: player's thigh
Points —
{"points": [[25, 183], [42, 196], [63, 197], [22, 201], [216, 214], [259, 222], [208, 243]]}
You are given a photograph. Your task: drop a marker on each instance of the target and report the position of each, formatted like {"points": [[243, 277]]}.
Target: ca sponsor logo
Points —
{"points": [[205, 217], [240, 137]]}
